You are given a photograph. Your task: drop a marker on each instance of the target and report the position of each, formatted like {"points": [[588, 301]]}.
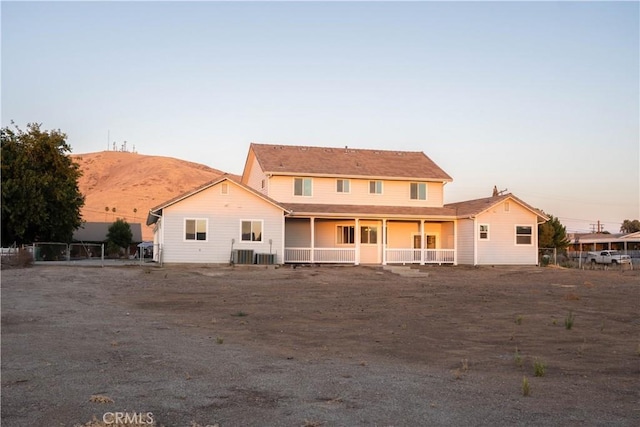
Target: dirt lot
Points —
{"points": [[320, 346]]}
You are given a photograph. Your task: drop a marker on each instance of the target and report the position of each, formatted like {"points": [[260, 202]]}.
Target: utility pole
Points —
{"points": [[597, 228]]}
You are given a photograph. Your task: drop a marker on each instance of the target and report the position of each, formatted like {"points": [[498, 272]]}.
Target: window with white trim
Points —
{"points": [[343, 186], [368, 234], [524, 235], [346, 234], [195, 230], [251, 230], [375, 187], [418, 191], [302, 187], [483, 232]]}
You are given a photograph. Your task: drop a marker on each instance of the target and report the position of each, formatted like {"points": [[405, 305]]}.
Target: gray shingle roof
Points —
{"points": [[95, 232]]}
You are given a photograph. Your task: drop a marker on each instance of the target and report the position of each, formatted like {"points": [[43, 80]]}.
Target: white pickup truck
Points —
{"points": [[608, 257]]}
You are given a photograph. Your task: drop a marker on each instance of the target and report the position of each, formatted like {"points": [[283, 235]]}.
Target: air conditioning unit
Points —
{"points": [[243, 256], [266, 259]]}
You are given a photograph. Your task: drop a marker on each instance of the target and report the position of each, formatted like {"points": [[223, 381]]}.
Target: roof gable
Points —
{"points": [[478, 206], [156, 212], [349, 162]]}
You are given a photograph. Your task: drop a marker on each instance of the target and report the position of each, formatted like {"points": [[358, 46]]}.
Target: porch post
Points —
{"points": [[384, 241], [357, 237], [312, 223], [455, 242], [422, 243]]}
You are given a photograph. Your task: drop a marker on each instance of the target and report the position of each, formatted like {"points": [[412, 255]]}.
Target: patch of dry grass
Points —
{"points": [[100, 398]]}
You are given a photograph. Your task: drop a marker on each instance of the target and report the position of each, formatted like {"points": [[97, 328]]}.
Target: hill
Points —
{"points": [[127, 181]]}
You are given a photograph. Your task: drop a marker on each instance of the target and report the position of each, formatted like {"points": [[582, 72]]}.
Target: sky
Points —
{"points": [[541, 99]]}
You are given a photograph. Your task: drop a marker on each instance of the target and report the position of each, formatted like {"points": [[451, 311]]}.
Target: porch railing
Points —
{"points": [[320, 255], [414, 256], [348, 256]]}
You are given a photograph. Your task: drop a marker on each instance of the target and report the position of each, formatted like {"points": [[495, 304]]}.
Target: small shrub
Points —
{"points": [[519, 320], [539, 368], [526, 389], [465, 365], [20, 259], [240, 314], [457, 374], [572, 296], [518, 358], [219, 340], [568, 321]]}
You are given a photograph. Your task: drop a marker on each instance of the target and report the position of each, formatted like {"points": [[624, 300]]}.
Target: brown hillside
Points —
{"points": [[129, 181]]}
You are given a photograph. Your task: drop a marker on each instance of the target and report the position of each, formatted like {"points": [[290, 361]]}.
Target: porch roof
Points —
{"points": [[368, 211]]}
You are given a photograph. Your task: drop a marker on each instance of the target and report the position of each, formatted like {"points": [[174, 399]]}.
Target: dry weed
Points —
{"points": [[99, 398], [572, 297]]}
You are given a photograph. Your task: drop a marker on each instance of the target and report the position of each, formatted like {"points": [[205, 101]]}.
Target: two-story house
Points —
{"points": [[342, 205]]}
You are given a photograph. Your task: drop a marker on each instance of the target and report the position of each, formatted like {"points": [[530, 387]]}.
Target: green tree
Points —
{"points": [[552, 234], [629, 226], [41, 200], [119, 234]]}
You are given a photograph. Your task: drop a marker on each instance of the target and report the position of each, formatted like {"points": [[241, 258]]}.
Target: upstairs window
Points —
{"points": [[375, 187], [418, 191], [346, 235], [507, 208], [302, 187], [224, 188], [343, 186], [524, 235], [251, 231], [484, 232], [195, 229]]}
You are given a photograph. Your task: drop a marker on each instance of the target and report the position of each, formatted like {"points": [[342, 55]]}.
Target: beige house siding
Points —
{"points": [[394, 193], [224, 214], [501, 246], [255, 177], [465, 249]]}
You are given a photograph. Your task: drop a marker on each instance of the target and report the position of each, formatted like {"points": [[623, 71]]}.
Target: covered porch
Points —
{"points": [[361, 240]]}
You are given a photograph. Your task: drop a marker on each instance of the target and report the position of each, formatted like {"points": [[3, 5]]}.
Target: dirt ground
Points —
{"points": [[320, 346]]}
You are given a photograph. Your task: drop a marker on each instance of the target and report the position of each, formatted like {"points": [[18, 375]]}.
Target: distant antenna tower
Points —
{"points": [[134, 148], [124, 146], [114, 146]]}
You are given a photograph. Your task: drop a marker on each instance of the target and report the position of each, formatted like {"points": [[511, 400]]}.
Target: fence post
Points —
{"points": [[102, 256], [68, 254]]}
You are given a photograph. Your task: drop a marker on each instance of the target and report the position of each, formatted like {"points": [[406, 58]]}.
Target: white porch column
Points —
{"points": [[455, 242], [384, 242], [312, 223], [357, 237], [475, 241], [422, 242]]}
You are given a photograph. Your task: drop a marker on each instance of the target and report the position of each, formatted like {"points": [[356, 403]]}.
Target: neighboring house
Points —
{"points": [[208, 223], [335, 205], [604, 241]]}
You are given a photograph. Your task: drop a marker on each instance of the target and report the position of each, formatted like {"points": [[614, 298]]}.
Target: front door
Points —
{"points": [[369, 243]]}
